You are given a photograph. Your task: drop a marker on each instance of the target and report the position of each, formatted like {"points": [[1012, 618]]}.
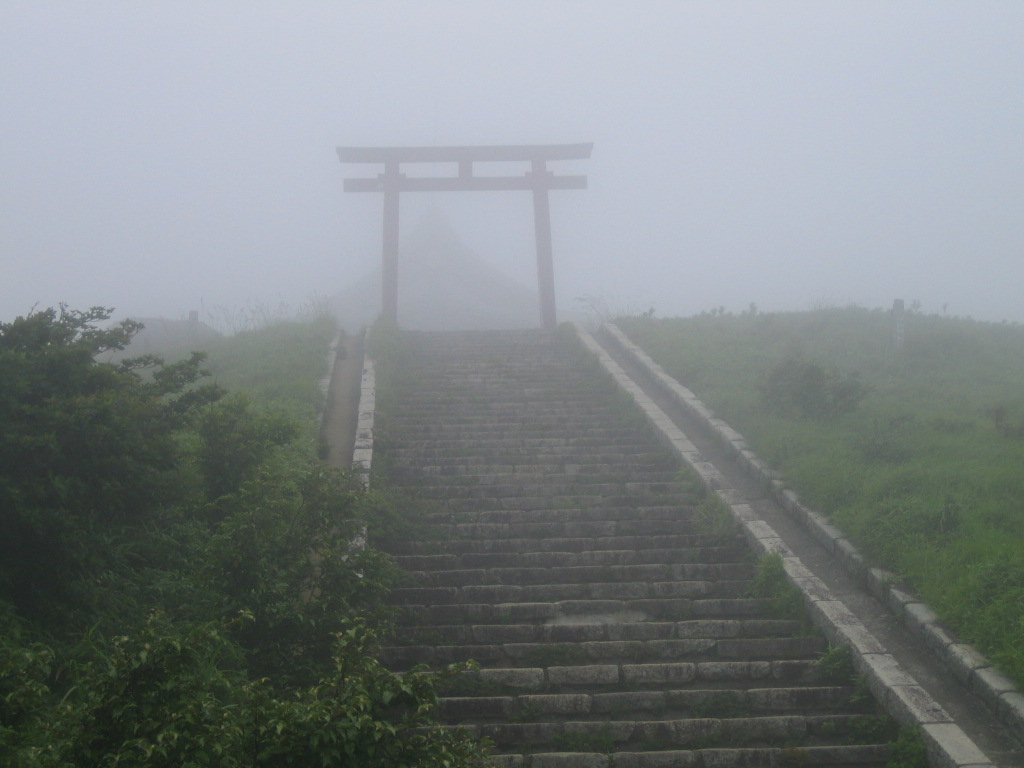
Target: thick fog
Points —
{"points": [[161, 157]]}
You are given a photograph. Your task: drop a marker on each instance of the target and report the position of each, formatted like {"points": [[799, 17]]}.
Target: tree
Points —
{"points": [[87, 448]]}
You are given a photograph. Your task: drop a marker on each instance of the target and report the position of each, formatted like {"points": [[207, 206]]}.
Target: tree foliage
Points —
{"points": [[84, 446], [178, 583], [797, 388]]}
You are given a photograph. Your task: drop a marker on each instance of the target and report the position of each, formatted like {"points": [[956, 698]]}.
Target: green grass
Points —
{"points": [[924, 474], [278, 364]]}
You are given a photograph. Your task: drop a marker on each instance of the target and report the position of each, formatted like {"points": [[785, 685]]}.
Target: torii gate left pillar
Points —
{"points": [[538, 180]]}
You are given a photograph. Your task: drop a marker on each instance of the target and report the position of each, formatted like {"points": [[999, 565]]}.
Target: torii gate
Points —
{"points": [[538, 180]]}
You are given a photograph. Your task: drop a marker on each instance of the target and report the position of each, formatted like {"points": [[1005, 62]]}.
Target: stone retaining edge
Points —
{"points": [[948, 746], [362, 451]]}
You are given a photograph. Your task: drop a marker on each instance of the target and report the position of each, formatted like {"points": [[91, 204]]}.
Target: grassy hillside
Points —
{"points": [[918, 454]]}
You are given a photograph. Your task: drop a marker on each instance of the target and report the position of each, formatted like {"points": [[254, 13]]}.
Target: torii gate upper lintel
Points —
{"points": [[538, 180]]}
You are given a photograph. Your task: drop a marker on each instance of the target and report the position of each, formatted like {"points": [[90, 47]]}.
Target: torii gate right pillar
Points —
{"points": [[389, 263], [545, 261]]}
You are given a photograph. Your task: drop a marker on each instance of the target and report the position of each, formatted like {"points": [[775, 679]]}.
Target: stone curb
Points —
{"points": [[362, 452], [948, 746]]}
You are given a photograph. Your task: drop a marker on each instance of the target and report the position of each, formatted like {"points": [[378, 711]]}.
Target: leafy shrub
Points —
{"points": [[908, 751], [86, 448], [126, 488], [172, 695], [836, 665], [1005, 426], [235, 438], [770, 581], [798, 388], [714, 518]]}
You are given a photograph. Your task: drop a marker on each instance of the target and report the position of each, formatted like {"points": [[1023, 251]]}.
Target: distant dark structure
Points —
{"points": [[446, 286], [538, 180]]}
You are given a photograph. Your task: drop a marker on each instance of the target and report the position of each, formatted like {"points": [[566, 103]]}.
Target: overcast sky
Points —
{"points": [[166, 156]]}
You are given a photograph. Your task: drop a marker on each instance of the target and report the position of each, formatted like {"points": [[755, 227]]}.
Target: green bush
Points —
{"points": [[797, 388], [86, 449], [770, 581], [194, 595]]}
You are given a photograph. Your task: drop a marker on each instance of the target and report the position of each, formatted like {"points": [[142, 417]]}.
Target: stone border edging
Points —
{"points": [[362, 450], [948, 746]]}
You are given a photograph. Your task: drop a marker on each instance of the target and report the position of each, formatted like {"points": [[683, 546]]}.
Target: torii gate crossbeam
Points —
{"points": [[538, 179]]}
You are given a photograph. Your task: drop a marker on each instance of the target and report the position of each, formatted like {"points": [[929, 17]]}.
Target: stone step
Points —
{"points": [[527, 463], [575, 502], [523, 576], [484, 634], [511, 441], [437, 418], [605, 652], [555, 487], [488, 452], [559, 530], [665, 609], [510, 401], [843, 756], [777, 731], [725, 675], [561, 592], [606, 550], [545, 515], [420, 473], [663, 704], [574, 429]]}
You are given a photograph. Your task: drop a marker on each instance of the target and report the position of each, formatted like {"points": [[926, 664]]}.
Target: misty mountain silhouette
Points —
{"points": [[442, 286]]}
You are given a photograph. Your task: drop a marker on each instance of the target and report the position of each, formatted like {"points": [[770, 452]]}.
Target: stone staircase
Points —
{"points": [[558, 545]]}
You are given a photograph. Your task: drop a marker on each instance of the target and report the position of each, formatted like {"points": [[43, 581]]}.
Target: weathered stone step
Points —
{"points": [[844, 756], [724, 675], [483, 553], [688, 733], [552, 486], [557, 503], [666, 704], [484, 634], [606, 651], [597, 590], [465, 471], [503, 400], [560, 530], [575, 429], [437, 420], [667, 609], [488, 452], [512, 553], [560, 446], [587, 573], [458, 405], [560, 514], [452, 463]]}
